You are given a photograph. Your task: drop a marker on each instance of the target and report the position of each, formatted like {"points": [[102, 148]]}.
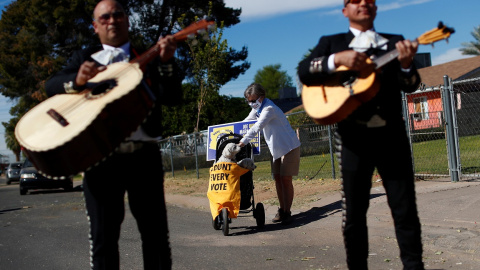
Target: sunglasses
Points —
{"points": [[358, 2], [117, 15], [251, 101]]}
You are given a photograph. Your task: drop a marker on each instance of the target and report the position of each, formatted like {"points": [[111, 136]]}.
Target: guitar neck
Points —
{"points": [[386, 58], [182, 35], [147, 56]]}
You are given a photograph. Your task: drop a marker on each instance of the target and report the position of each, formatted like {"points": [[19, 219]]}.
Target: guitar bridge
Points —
{"points": [[58, 117]]}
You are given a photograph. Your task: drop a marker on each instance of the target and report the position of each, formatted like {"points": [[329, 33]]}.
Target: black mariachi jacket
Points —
{"points": [[166, 88], [387, 103]]}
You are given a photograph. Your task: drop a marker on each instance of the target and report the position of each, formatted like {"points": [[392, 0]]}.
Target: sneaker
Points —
{"points": [[287, 218], [279, 216]]}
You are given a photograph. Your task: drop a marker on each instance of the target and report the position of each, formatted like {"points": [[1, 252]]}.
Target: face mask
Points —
{"points": [[255, 105]]}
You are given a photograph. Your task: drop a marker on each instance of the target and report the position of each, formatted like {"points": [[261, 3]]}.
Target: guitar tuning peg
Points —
{"points": [[191, 36], [201, 31]]}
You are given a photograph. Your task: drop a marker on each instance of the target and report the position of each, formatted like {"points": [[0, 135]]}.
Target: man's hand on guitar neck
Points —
{"points": [[357, 61], [406, 51], [167, 45], [352, 59], [87, 71]]}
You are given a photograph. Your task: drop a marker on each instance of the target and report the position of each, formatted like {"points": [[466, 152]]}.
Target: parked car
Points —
{"points": [[30, 178], [13, 172]]}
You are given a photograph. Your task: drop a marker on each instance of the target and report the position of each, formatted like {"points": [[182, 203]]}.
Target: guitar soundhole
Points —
{"points": [[101, 88]]}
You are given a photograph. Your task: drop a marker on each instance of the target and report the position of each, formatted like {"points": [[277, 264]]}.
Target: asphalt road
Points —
{"points": [[49, 229]]}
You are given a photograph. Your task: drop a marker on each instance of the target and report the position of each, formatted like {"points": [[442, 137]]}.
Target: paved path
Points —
{"points": [[449, 213]]}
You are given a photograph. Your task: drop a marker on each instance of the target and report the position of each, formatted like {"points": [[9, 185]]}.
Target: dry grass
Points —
{"points": [[306, 191]]}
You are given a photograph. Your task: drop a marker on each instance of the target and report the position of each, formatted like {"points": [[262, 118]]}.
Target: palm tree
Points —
{"points": [[473, 47]]}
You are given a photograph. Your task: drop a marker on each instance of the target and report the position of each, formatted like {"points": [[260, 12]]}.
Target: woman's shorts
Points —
{"points": [[288, 165]]}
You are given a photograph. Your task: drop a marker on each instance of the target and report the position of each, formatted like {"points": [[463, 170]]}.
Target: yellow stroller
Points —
{"points": [[230, 189]]}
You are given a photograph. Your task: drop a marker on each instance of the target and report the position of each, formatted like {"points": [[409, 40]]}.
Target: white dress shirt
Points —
{"points": [[278, 133], [139, 134]]}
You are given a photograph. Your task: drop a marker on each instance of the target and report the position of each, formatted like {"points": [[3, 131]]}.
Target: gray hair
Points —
{"points": [[254, 89]]}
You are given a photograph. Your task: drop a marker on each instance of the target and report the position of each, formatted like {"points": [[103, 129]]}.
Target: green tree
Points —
{"points": [[221, 109], [298, 117], [273, 79], [209, 60], [224, 109], [181, 119], [34, 40], [38, 36], [472, 47], [156, 18], [10, 140]]}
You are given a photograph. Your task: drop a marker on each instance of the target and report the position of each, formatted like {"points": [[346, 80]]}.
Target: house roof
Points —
{"points": [[287, 104], [458, 69]]}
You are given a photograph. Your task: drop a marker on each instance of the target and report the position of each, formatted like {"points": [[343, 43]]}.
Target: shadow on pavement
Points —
{"points": [[300, 219]]}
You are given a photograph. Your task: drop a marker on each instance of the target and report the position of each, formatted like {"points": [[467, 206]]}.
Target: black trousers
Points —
{"points": [[140, 175], [387, 148]]}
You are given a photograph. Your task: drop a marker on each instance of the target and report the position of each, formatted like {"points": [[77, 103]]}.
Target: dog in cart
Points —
{"points": [[230, 189]]}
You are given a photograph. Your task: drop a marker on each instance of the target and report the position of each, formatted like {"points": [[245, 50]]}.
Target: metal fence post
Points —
{"points": [[171, 157], [196, 154], [406, 117], [332, 150], [450, 129]]}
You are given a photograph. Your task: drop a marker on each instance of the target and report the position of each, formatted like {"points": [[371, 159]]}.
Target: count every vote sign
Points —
{"points": [[240, 128]]}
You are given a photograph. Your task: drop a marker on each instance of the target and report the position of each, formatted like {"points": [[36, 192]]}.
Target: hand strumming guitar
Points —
{"points": [[87, 71], [352, 59]]}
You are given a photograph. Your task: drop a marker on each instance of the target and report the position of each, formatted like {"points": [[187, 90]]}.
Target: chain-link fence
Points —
{"points": [[186, 154], [427, 125], [467, 107], [424, 111]]}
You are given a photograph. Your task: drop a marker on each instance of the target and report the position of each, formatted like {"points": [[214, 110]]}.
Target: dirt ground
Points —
{"points": [[306, 191]]}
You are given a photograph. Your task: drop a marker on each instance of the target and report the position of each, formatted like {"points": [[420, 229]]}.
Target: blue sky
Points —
{"points": [[282, 31]]}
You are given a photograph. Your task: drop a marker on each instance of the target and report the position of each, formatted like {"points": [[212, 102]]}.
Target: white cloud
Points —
{"points": [[400, 4], [450, 55], [267, 8]]}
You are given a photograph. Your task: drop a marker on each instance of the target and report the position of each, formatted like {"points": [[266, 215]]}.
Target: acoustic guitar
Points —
{"points": [[69, 133], [347, 89]]}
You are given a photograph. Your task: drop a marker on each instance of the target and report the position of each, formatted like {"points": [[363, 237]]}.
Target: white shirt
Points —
{"points": [[278, 133], [139, 134], [111, 54]]}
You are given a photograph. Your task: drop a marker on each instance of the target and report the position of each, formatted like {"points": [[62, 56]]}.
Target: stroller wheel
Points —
{"points": [[216, 223], [225, 221], [259, 215]]}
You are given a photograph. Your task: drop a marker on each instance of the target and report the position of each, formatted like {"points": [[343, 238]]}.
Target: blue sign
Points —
{"points": [[240, 128]]}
